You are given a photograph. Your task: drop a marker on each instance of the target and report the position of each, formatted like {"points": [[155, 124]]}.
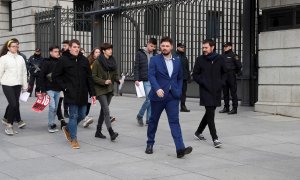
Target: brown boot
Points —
{"points": [[75, 144]]}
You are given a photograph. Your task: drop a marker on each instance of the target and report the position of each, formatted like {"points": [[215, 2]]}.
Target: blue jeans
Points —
{"points": [[76, 114], [54, 98], [146, 104]]}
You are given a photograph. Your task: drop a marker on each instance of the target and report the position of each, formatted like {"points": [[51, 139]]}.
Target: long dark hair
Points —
{"points": [[6, 45]]}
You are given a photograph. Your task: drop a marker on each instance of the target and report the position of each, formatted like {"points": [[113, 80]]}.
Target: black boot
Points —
{"points": [[233, 111], [113, 135], [184, 109], [149, 149], [99, 134], [224, 110]]}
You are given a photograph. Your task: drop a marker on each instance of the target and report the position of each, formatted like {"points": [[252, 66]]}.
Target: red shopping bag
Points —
{"points": [[40, 103]]}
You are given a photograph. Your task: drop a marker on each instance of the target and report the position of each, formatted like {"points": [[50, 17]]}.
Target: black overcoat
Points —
{"points": [[74, 76], [210, 75]]}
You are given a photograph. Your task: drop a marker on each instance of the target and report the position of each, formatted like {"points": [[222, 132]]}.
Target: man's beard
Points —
{"points": [[166, 54]]}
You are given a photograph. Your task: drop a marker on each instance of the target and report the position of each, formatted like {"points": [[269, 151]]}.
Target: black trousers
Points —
{"points": [[208, 119], [88, 107], [18, 115], [59, 112], [104, 115], [33, 80], [231, 87], [66, 107], [12, 94], [183, 95]]}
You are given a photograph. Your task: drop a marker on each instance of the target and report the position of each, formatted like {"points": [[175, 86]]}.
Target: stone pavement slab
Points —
{"points": [[255, 146]]}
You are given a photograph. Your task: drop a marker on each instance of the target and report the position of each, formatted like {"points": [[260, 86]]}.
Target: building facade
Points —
{"points": [[279, 58], [17, 19]]}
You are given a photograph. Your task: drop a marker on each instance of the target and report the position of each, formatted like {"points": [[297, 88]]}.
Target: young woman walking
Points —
{"points": [[13, 78], [104, 73]]}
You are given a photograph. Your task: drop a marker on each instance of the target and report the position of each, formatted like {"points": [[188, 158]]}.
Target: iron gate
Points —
{"points": [[128, 24], [58, 24], [185, 21]]}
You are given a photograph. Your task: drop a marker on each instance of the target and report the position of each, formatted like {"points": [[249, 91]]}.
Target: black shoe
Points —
{"points": [[99, 134], [140, 121], [217, 143], [185, 151], [113, 135], [149, 149], [199, 136], [224, 110], [63, 123], [184, 109], [233, 111], [66, 114]]}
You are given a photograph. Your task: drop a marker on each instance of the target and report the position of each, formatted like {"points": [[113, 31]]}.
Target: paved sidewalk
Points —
{"points": [[255, 146]]}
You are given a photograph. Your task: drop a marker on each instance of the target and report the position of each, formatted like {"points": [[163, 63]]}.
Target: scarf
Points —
{"points": [[108, 64], [212, 56]]}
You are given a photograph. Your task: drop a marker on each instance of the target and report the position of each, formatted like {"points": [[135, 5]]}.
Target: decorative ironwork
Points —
{"points": [[186, 21]]}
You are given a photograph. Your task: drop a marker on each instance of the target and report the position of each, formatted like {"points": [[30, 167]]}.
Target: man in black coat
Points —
{"points": [[233, 65], [186, 75], [51, 88], [74, 76], [210, 73]]}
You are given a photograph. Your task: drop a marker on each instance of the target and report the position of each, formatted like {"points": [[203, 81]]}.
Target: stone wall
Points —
{"points": [[23, 21], [279, 68]]}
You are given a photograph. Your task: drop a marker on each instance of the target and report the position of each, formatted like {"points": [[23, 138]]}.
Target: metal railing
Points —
{"points": [[133, 22]]}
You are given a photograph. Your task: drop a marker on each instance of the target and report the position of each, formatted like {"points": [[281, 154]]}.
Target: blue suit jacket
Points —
{"points": [[160, 79]]}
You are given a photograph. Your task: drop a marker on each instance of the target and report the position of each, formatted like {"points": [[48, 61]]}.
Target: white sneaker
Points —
{"points": [[4, 121], [87, 121], [21, 124], [9, 130], [52, 128]]}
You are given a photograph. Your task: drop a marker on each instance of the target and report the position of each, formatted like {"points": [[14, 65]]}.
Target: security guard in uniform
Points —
{"points": [[181, 48], [233, 65]]}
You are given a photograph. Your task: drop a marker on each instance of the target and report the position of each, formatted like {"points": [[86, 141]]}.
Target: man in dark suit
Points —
{"points": [[165, 76], [210, 73]]}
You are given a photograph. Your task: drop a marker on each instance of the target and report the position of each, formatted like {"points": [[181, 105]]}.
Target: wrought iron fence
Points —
{"points": [[58, 24], [133, 22], [186, 21]]}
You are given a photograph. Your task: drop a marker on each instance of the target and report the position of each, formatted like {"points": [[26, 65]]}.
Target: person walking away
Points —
{"points": [[210, 73], [13, 78], [73, 75], [234, 66], [141, 65]]}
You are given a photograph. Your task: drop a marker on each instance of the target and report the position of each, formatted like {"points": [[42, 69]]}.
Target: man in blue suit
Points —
{"points": [[165, 76]]}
